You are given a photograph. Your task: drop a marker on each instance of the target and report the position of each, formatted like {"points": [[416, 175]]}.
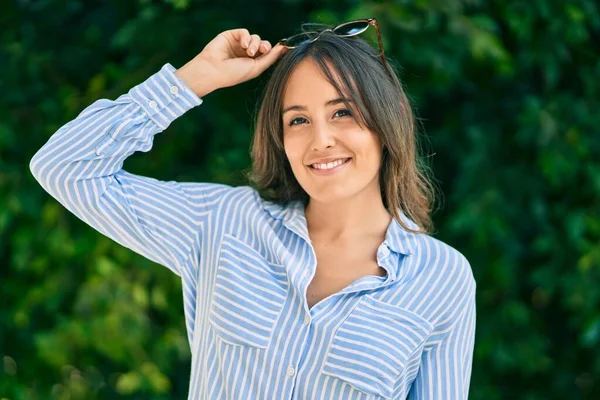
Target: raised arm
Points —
{"points": [[81, 164]]}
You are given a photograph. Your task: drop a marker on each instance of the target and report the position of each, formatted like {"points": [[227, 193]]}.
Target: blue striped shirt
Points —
{"points": [[245, 266]]}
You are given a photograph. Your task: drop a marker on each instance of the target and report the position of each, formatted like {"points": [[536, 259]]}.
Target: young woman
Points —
{"points": [[321, 281]]}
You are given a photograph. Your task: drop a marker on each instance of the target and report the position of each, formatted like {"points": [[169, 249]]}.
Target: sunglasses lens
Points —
{"points": [[297, 40], [351, 28]]}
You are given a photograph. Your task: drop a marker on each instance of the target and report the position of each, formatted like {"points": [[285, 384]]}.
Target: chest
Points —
{"points": [[339, 266], [368, 338]]}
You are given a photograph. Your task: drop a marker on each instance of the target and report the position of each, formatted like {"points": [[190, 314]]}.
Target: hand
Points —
{"points": [[233, 57]]}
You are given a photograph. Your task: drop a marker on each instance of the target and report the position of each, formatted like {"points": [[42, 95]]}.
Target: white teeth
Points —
{"points": [[329, 165]]}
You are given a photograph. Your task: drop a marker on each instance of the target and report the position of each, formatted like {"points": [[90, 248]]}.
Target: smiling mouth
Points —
{"points": [[331, 165]]}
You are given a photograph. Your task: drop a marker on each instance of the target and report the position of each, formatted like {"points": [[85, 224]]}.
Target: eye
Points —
{"points": [[342, 113], [297, 121]]}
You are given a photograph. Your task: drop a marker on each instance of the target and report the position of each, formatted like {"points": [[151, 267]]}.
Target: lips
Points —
{"points": [[331, 171], [329, 163]]}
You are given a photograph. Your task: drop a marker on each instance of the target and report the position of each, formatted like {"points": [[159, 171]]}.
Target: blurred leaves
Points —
{"points": [[507, 94]]}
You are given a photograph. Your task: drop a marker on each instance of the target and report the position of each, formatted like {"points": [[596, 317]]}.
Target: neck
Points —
{"points": [[348, 220]]}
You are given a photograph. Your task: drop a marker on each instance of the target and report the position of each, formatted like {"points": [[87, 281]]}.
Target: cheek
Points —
{"points": [[292, 151], [367, 146]]}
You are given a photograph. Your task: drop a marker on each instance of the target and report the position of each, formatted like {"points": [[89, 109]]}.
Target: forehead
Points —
{"points": [[308, 83]]}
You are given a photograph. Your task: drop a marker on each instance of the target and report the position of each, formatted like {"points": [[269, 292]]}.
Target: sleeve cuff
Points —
{"points": [[164, 97]]}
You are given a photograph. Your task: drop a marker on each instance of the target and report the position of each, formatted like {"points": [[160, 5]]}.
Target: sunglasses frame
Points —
{"points": [[370, 22]]}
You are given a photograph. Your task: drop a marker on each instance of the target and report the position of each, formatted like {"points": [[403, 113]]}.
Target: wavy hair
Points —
{"points": [[353, 67]]}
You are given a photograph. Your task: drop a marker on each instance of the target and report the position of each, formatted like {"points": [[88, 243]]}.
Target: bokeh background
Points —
{"points": [[507, 93]]}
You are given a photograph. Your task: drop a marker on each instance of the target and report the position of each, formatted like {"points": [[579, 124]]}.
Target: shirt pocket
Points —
{"points": [[372, 346], [248, 295]]}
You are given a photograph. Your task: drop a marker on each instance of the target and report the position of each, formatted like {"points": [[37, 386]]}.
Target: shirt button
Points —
{"points": [[291, 371], [174, 90], [152, 104], [306, 319]]}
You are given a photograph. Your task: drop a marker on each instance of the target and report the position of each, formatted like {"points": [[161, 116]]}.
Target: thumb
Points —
{"points": [[266, 60]]}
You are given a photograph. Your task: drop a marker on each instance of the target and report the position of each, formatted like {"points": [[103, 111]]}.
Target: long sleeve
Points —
{"points": [[445, 370], [81, 167]]}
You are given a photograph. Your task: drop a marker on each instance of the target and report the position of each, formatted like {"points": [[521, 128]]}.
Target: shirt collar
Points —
{"points": [[397, 239], [400, 240]]}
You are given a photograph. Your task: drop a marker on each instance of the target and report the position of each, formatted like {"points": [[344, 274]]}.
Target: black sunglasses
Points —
{"points": [[347, 29]]}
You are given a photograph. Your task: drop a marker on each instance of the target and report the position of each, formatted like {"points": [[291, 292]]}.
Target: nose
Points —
{"points": [[322, 136]]}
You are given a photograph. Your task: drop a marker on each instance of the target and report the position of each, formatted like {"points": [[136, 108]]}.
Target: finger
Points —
{"points": [[266, 60], [242, 36], [254, 43], [264, 47]]}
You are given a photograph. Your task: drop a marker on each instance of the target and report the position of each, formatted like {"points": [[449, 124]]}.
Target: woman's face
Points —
{"points": [[332, 157]]}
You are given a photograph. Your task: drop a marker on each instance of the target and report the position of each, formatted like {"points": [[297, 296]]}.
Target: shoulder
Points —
{"points": [[437, 258], [209, 197], [247, 201]]}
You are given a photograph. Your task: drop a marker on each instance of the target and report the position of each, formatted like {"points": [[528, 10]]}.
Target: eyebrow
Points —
{"points": [[327, 104]]}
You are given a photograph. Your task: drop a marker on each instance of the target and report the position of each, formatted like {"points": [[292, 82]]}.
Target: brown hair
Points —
{"points": [[383, 108]]}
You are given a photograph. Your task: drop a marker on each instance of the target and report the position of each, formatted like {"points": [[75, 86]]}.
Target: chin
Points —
{"points": [[330, 195]]}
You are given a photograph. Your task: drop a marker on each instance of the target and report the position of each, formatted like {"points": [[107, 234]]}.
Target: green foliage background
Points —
{"points": [[507, 93]]}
